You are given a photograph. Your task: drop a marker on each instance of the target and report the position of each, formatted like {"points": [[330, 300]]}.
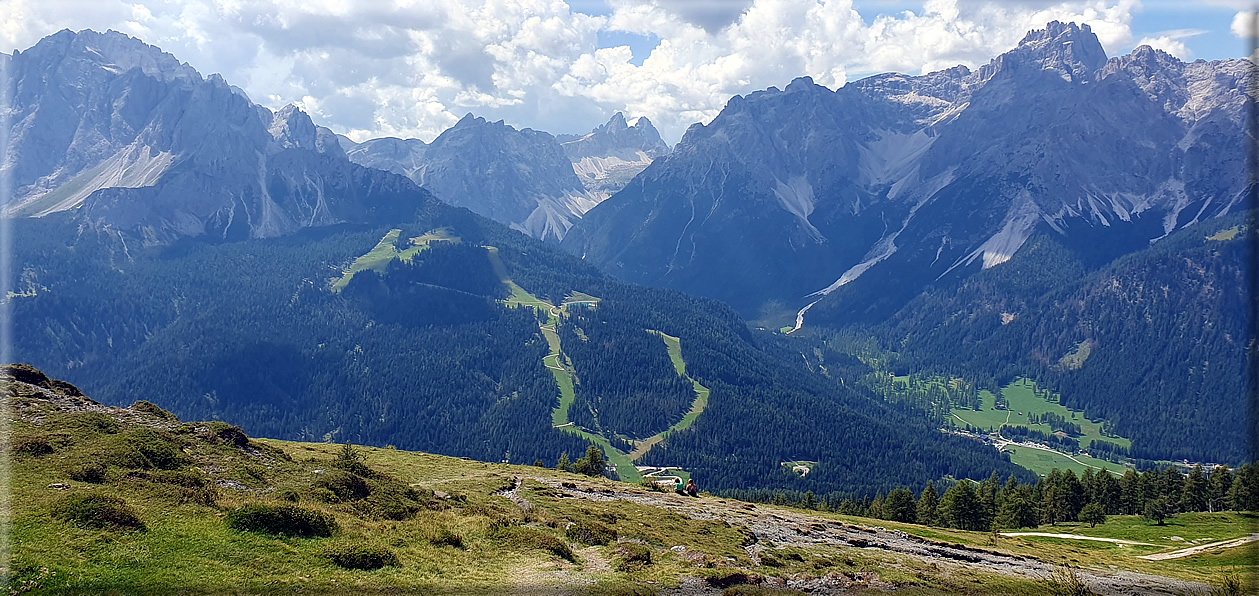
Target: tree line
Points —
{"points": [[1060, 496]]}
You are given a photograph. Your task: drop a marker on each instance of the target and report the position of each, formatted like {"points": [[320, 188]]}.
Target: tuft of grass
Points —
{"points": [[747, 590], [590, 533], [34, 444], [1230, 585], [92, 473], [364, 557], [522, 537], [1064, 582], [725, 577], [340, 486], [445, 537], [282, 520], [97, 511], [153, 410], [632, 556], [145, 449]]}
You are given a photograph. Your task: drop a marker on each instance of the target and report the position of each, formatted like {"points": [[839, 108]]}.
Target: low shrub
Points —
{"points": [[365, 557], [145, 449], [746, 590], [96, 422], [590, 533], [97, 511], [227, 434], [445, 537], [725, 577], [92, 473], [35, 445], [152, 409], [343, 485], [526, 537], [281, 520], [631, 556]]}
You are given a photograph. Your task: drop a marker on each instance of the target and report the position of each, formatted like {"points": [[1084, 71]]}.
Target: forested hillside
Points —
{"points": [[1152, 341], [425, 356]]}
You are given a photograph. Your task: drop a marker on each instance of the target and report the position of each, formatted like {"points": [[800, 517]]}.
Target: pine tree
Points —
{"points": [[928, 502], [564, 464], [1193, 496], [592, 464], [1093, 514], [1220, 481], [1018, 509], [1155, 510], [960, 507], [899, 506]]}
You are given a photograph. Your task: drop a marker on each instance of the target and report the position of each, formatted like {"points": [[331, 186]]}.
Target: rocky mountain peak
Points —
{"points": [[113, 51], [292, 128], [617, 122], [1072, 51]]}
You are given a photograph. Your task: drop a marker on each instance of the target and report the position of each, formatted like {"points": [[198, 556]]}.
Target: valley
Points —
{"points": [[449, 525]]}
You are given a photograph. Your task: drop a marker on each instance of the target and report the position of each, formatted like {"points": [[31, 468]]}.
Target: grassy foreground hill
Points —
{"points": [[134, 501]]}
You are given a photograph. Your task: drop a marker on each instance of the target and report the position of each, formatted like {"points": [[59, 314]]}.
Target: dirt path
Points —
{"points": [[1078, 537], [1193, 550], [791, 528]]}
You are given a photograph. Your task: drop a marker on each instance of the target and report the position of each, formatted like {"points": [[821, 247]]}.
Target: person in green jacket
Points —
{"points": [[678, 487]]}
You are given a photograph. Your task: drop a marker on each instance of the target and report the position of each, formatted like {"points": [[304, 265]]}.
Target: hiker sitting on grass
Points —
{"points": [[678, 487], [691, 489]]}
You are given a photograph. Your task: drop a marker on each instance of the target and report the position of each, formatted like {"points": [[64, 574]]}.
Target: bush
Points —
{"points": [[93, 422], [32, 445], [746, 590], [147, 449], [281, 520], [227, 434], [631, 556], [343, 485], [360, 556], [591, 533], [92, 473], [152, 409], [725, 577], [525, 537], [445, 537], [97, 511]]}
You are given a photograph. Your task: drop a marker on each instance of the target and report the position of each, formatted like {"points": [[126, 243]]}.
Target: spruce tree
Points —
{"points": [[564, 465], [1218, 484], [899, 506], [1093, 514], [928, 502], [1193, 495]]}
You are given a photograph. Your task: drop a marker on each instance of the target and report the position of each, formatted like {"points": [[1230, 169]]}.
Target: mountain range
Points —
{"points": [[978, 224], [126, 137], [255, 274], [788, 195], [526, 179]]}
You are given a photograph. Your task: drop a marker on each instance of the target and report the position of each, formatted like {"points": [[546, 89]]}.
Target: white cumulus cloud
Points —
{"points": [[413, 67], [1243, 24]]}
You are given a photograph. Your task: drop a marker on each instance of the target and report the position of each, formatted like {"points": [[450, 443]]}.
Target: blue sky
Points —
{"points": [[411, 68]]}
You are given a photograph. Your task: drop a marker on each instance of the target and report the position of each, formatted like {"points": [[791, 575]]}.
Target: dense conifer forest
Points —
{"points": [[425, 357], [1152, 341]]}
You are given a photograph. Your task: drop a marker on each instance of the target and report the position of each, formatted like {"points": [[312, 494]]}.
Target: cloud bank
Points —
{"points": [[412, 68]]}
